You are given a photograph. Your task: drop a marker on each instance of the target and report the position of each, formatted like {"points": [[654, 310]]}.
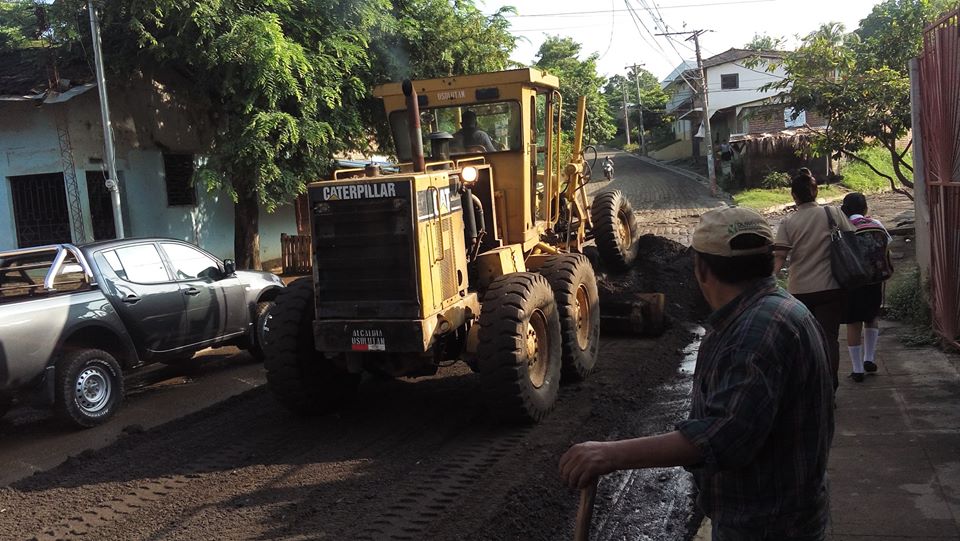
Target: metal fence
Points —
{"points": [[940, 132]]}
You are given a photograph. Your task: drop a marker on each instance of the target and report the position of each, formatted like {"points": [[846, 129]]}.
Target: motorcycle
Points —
{"points": [[608, 168]]}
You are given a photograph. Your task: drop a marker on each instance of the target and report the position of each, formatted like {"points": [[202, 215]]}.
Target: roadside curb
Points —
{"points": [[678, 170]]}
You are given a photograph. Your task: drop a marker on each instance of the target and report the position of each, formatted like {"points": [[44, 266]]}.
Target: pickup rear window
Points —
{"points": [[22, 276]]}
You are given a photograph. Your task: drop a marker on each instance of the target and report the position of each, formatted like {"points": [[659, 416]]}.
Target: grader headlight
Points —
{"points": [[469, 176]]}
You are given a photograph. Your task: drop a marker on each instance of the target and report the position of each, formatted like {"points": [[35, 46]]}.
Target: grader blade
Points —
{"points": [[642, 314]]}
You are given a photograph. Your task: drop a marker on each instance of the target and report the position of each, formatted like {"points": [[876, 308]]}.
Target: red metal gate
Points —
{"points": [[940, 127]]}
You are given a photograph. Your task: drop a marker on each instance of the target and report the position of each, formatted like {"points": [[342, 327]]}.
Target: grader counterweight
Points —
{"points": [[470, 251]]}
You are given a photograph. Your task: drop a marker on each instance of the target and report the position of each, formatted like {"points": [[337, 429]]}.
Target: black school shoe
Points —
{"points": [[856, 376], [870, 366]]}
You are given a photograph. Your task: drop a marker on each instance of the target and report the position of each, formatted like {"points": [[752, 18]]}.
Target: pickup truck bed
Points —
{"points": [[74, 318]]}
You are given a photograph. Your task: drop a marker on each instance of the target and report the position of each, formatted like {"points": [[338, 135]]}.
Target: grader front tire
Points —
{"points": [[519, 350], [575, 290], [615, 229]]}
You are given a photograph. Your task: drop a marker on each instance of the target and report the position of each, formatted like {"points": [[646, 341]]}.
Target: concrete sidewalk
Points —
{"points": [[895, 463]]}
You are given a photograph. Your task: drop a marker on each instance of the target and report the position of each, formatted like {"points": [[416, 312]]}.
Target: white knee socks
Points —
{"points": [[856, 357], [870, 337]]}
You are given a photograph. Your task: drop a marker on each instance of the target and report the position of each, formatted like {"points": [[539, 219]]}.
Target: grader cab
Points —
{"points": [[470, 251]]}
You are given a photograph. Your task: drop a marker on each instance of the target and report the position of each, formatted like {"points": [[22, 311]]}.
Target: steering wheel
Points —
{"points": [[476, 148]]}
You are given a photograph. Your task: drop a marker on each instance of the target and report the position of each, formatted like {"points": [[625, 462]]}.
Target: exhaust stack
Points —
{"points": [[413, 121]]}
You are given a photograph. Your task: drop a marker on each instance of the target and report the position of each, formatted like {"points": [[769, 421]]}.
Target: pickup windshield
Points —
{"points": [[486, 128]]}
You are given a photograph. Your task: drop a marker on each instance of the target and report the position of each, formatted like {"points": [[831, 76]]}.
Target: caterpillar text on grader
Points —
{"points": [[472, 251]]}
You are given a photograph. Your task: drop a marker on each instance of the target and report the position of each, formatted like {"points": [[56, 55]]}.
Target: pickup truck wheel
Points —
{"points": [[261, 318], [519, 350], [300, 377], [89, 387]]}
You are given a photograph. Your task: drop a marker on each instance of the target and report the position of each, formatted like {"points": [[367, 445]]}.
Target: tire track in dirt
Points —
{"points": [[146, 493], [439, 487]]}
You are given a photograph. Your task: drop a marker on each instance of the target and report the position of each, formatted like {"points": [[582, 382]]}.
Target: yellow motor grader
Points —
{"points": [[470, 249]]}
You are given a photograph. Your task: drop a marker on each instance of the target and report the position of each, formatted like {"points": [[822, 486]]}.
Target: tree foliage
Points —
{"points": [[652, 96], [860, 83], [765, 42], [284, 84], [560, 56]]}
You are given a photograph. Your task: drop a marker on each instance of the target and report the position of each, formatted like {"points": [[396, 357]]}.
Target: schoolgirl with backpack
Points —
{"points": [[863, 303]]}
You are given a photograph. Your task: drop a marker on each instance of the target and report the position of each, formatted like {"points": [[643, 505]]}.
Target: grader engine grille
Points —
{"points": [[364, 251], [449, 285]]}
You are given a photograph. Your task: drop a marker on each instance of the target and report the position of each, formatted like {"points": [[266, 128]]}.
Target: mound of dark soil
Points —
{"points": [[663, 266]]}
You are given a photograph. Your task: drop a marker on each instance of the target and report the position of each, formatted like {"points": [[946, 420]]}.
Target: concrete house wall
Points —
{"points": [[750, 81], [147, 123]]}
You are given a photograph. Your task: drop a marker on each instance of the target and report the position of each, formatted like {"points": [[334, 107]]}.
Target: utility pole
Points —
{"points": [[113, 181], [704, 98], [626, 116], [636, 77]]}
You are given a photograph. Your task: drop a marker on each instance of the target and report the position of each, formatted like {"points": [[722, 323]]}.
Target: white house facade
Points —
{"points": [[731, 82]]}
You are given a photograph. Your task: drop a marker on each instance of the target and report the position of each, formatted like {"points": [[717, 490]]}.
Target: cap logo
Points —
{"points": [[740, 227]]}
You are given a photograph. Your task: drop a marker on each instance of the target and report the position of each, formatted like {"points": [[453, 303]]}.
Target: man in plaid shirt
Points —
{"points": [[761, 419]]}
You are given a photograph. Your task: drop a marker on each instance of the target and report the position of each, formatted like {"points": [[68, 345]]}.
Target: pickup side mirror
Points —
{"points": [[229, 267]]}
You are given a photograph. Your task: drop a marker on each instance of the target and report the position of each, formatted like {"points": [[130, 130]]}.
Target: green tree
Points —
{"points": [[652, 96], [285, 85], [765, 42], [559, 56], [18, 24], [860, 83]]}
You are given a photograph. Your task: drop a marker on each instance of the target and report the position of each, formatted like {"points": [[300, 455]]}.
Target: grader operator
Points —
{"points": [[470, 252]]}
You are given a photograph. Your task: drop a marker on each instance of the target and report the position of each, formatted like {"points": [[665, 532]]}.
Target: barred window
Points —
{"points": [[178, 169], [729, 81]]}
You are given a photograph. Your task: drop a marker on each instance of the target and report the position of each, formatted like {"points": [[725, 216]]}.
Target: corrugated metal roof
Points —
{"points": [[27, 74]]}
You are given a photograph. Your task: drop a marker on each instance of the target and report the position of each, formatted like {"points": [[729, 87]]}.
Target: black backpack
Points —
{"points": [[874, 240]]}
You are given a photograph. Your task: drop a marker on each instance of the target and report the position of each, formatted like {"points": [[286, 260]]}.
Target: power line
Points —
{"points": [[598, 11], [613, 21], [637, 23]]}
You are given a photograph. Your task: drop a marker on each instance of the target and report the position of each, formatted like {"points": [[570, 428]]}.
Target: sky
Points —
{"points": [[608, 27]]}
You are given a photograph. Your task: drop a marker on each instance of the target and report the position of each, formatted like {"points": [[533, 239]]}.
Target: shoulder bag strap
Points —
{"points": [[830, 220]]}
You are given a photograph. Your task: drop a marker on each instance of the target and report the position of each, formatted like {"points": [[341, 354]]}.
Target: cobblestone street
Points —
{"points": [[667, 204]]}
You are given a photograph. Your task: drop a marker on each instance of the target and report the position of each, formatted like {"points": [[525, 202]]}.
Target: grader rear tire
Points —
{"points": [[575, 290], [615, 229], [300, 377], [519, 350]]}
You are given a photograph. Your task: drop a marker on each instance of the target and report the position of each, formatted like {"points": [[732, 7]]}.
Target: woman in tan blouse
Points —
{"points": [[805, 236]]}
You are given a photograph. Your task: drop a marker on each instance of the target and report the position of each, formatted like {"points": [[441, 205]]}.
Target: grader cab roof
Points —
{"points": [[527, 76]]}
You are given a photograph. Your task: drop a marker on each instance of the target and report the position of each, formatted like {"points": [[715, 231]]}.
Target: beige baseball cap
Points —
{"points": [[720, 226]]}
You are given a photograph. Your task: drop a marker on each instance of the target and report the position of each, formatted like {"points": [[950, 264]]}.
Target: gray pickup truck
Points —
{"points": [[74, 318]]}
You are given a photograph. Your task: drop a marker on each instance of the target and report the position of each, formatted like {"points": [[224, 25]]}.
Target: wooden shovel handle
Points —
{"points": [[581, 531]]}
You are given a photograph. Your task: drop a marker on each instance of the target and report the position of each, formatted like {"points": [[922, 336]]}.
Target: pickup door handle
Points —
{"points": [[131, 299], [191, 291]]}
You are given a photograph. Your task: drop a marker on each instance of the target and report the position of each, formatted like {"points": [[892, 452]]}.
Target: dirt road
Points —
{"points": [[409, 459]]}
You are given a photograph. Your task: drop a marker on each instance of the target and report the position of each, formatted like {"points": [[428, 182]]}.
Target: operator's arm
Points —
{"points": [[486, 141], [584, 462]]}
